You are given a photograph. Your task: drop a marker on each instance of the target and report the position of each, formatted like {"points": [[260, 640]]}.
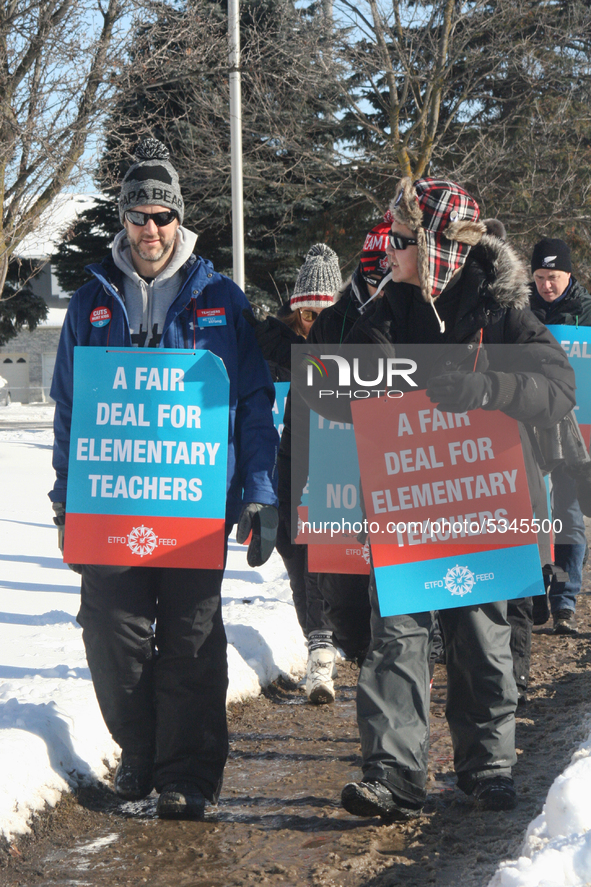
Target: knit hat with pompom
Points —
{"points": [[319, 279], [151, 181]]}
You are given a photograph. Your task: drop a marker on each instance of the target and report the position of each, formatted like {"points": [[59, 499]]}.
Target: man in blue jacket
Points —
{"points": [[162, 692]]}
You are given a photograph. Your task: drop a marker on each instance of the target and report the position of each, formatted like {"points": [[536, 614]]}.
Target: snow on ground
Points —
{"points": [[51, 731], [52, 734], [557, 847]]}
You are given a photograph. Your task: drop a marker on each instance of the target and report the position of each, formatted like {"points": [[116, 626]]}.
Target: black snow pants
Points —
{"points": [[393, 697], [304, 585], [162, 693], [520, 618], [347, 611]]}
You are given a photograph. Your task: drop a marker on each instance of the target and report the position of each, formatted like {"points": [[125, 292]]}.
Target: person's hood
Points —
{"points": [[507, 274], [184, 246]]}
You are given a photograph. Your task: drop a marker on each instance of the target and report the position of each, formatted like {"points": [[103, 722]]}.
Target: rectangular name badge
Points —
{"points": [[211, 317]]}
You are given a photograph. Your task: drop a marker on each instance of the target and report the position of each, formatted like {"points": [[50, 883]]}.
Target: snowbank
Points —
{"points": [[557, 846], [52, 735]]}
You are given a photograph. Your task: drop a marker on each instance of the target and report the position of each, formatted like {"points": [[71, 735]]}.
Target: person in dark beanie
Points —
{"points": [[557, 298], [154, 636], [456, 285]]}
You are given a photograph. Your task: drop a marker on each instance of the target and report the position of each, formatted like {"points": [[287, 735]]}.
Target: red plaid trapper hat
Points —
{"points": [[445, 219], [373, 261]]}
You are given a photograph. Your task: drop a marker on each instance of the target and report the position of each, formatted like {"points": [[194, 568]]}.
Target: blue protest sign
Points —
{"points": [[576, 341], [334, 472], [148, 458], [281, 392]]}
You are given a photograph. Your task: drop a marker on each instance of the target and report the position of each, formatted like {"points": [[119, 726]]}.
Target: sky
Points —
{"points": [[52, 736]]}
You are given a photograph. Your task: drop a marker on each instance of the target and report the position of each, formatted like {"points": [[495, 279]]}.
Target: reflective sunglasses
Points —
{"points": [[160, 219], [308, 314], [397, 241]]}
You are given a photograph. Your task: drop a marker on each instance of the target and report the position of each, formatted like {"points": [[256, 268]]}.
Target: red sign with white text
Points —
{"points": [[430, 478], [345, 555]]}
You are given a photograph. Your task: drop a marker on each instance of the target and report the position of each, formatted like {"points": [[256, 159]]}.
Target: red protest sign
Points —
{"points": [[340, 553], [430, 478]]}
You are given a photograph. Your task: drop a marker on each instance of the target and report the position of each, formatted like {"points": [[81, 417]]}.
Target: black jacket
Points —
{"points": [[572, 310], [488, 301], [486, 305], [331, 327]]}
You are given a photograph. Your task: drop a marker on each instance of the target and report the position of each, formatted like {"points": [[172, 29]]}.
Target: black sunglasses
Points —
{"points": [[160, 219], [397, 241]]}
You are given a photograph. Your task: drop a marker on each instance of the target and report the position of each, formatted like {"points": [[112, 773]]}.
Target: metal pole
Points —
{"points": [[236, 142]]}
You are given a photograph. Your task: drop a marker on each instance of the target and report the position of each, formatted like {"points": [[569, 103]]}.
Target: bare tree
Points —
{"points": [[56, 63], [176, 84], [493, 93], [176, 87], [343, 97]]}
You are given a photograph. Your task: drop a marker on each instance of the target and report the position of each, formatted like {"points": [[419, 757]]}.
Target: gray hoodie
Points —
{"points": [[148, 303]]}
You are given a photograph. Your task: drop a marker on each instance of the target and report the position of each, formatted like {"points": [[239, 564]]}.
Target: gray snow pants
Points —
{"points": [[393, 697]]}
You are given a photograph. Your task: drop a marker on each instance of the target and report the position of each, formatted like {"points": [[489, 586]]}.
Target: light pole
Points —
{"points": [[236, 143]]}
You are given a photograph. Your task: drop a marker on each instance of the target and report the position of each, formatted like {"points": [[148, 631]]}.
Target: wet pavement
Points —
{"points": [[279, 820]]}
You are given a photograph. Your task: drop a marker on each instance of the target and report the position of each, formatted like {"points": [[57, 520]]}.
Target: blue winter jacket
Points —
{"points": [[252, 438]]}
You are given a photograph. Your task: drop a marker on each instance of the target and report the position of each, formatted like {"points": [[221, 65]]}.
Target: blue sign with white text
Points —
{"points": [[281, 392], [149, 433], [462, 580], [334, 472], [576, 341]]}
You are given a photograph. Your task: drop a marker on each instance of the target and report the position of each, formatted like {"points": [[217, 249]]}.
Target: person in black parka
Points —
{"points": [[453, 284]]}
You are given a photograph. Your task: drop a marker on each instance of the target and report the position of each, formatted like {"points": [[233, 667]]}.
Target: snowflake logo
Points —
{"points": [[365, 553], [459, 580], [142, 540]]}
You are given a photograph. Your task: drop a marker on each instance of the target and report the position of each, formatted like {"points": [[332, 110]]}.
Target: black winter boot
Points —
{"points": [[133, 777], [372, 798], [181, 801], [495, 793]]}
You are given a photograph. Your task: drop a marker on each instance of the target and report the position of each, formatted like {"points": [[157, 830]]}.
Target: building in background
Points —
{"points": [[27, 361]]}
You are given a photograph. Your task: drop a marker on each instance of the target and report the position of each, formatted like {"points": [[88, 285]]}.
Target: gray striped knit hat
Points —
{"points": [[319, 279], [152, 180]]}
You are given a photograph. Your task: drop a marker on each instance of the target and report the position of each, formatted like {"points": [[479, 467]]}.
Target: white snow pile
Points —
{"points": [[557, 846], [52, 735]]}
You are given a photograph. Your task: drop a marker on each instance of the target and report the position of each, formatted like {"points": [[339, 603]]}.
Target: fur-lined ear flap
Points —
{"points": [[470, 233], [405, 206], [423, 264]]}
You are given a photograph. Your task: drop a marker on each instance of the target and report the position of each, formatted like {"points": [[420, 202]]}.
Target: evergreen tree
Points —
{"points": [[88, 241], [176, 89], [20, 308]]}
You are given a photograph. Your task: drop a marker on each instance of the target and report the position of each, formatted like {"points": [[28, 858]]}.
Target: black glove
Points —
{"points": [[60, 522], [275, 338], [263, 521], [459, 392]]}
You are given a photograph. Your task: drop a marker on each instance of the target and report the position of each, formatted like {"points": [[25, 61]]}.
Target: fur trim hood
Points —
{"points": [[506, 272]]}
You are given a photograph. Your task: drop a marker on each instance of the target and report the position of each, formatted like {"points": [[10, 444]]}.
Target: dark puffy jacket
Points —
{"points": [[252, 438], [330, 328], [572, 310], [489, 300]]}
